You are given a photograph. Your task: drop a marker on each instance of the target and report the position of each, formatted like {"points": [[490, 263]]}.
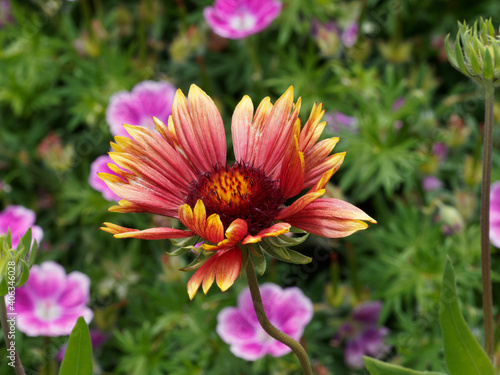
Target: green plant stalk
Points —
{"points": [[489, 345], [268, 327], [18, 366]]}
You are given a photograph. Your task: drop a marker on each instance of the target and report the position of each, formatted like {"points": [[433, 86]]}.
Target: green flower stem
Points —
{"points": [[485, 224], [18, 366], [268, 327]]}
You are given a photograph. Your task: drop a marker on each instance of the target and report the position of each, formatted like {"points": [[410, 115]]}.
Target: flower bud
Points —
{"points": [[476, 52]]}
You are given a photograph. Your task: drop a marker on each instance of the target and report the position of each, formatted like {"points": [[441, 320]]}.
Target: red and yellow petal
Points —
{"points": [[210, 229], [312, 129], [329, 217], [273, 231], [292, 171], [199, 129], [224, 266], [147, 234], [277, 134], [236, 231], [332, 162]]}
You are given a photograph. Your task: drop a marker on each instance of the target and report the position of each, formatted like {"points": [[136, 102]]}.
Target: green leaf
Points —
{"points": [[376, 367], [474, 60], [284, 254], [463, 354], [78, 357]]}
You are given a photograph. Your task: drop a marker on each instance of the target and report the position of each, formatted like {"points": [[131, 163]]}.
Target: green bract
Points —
{"points": [[15, 263], [476, 52]]}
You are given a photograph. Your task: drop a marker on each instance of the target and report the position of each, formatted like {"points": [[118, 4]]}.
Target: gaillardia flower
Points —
{"points": [[238, 210]]}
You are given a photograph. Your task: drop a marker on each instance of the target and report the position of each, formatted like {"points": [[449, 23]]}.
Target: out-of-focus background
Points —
{"points": [[411, 126]]}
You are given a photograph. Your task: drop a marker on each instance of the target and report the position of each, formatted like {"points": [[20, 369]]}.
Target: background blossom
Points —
{"points": [[237, 19], [288, 309], [101, 165], [147, 99], [362, 335], [19, 219], [50, 302], [495, 214]]}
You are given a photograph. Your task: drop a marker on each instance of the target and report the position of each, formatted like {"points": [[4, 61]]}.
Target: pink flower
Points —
{"points": [[495, 214], [341, 122], [5, 13], [350, 34], [147, 99], [19, 219], [50, 302], [362, 335], [101, 165], [430, 183], [288, 309], [237, 19]]}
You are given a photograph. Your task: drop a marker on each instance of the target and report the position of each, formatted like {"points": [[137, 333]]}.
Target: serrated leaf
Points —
{"points": [[376, 367], [78, 357], [463, 354]]}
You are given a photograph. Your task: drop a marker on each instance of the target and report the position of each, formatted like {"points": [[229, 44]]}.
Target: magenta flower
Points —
{"points": [[50, 302], [430, 183], [5, 13], [19, 219], [288, 309], [350, 34], [362, 335], [495, 214], [237, 19], [101, 165], [147, 99], [339, 121], [440, 150]]}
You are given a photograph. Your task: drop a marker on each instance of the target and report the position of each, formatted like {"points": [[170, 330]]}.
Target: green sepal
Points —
{"points": [[24, 245], [450, 53], [33, 253], [4, 288], [463, 354], [258, 259], [284, 254], [488, 65], [474, 60], [196, 263], [376, 367], [297, 230], [78, 357], [285, 241], [184, 245], [460, 57], [25, 273]]}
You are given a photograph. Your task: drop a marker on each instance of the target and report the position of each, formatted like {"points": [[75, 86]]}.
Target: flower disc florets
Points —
{"points": [[239, 191]]}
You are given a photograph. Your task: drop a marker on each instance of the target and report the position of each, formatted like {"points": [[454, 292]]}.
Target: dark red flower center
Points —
{"points": [[239, 191]]}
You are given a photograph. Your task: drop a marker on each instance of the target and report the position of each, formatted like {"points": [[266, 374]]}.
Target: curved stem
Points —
{"points": [[489, 345], [18, 366], [268, 327]]}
